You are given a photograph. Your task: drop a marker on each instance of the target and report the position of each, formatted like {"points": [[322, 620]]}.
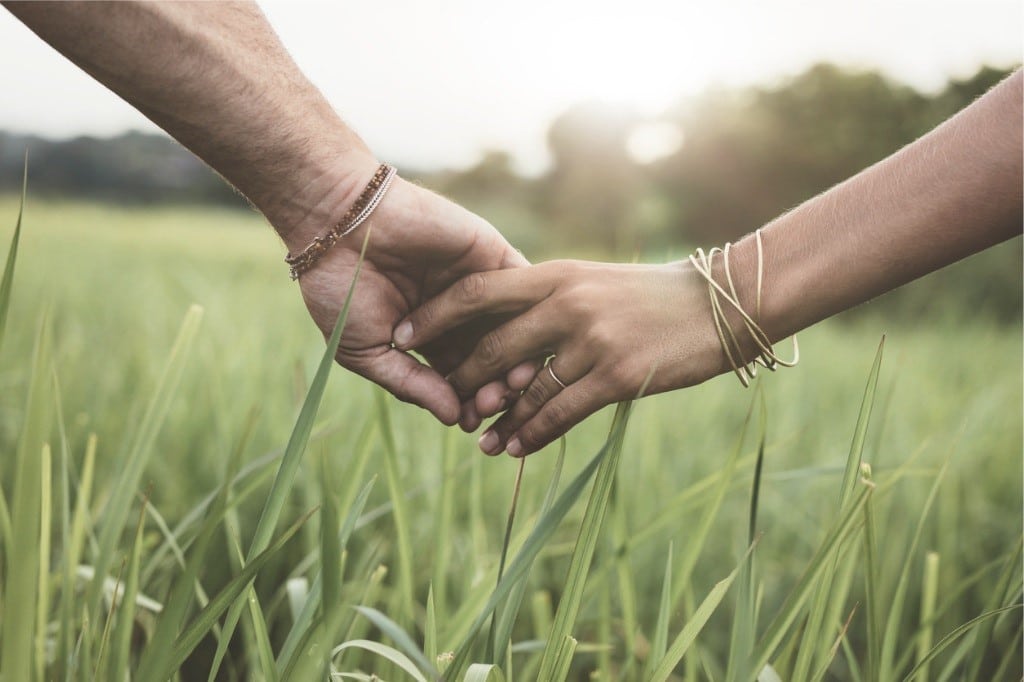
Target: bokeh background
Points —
{"points": [[579, 129]]}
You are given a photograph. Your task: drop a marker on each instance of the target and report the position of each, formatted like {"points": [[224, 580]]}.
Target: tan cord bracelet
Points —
{"points": [[766, 357], [355, 216]]}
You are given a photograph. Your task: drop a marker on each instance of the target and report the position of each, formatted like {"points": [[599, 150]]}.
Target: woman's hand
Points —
{"points": [[610, 327]]}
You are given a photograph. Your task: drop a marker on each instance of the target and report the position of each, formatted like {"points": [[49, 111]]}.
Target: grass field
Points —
{"points": [[113, 285]]}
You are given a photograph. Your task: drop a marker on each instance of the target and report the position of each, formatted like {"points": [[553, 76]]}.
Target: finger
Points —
{"points": [[520, 376], [497, 396], [410, 381], [492, 398], [531, 335], [557, 416], [548, 383], [495, 291], [469, 418]]}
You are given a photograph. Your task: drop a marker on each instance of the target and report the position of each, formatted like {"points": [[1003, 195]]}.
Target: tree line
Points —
{"points": [[746, 155]]}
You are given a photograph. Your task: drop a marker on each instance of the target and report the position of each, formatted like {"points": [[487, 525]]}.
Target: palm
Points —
{"points": [[419, 244]]}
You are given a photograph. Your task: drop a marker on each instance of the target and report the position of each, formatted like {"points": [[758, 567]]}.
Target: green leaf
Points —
{"points": [[579, 563], [537, 539], [815, 638], [7, 282], [483, 672], [190, 637], [400, 637], [955, 635], [393, 655], [685, 639], [297, 441], [22, 550], [798, 597], [122, 638], [305, 623]]}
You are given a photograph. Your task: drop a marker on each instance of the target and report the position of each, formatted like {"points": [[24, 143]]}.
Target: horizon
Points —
{"points": [[463, 81]]}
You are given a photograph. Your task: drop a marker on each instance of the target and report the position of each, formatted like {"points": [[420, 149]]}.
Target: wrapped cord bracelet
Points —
{"points": [[355, 216], [766, 356]]}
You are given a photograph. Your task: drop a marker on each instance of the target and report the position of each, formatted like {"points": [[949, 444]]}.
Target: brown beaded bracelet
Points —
{"points": [[355, 216]]}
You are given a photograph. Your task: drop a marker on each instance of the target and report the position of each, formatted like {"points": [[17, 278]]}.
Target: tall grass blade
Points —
{"points": [[398, 511], [895, 616], [483, 672], [999, 596], [72, 556], [7, 282], [535, 542], [744, 627], [815, 641], [800, 594], [43, 601], [873, 606], [579, 563], [122, 638], [956, 634], [493, 652], [660, 642], [306, 622], [21, 588], [116, 512], [430, 628], [686, 637], [386, 652], [930, 587], [400, 637], [506, 618], [160, 650], [293, 452], [563, 659], [330, 543], [190, 637]]}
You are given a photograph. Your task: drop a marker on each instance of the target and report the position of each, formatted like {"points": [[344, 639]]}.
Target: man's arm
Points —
{"points": [[215, 76]]}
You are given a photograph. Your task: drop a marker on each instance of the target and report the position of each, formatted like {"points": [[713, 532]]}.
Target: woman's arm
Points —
{"points": [[954, 192]]}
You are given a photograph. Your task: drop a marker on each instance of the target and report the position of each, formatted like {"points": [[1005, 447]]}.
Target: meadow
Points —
{"points": [[887, 496]]}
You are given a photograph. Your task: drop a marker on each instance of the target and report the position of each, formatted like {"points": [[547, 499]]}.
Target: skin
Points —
{"points": [[217, 79], [612, 328]]}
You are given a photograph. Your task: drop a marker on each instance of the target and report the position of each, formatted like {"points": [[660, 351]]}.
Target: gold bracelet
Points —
{"points": [[353, 218], [766, 357]]}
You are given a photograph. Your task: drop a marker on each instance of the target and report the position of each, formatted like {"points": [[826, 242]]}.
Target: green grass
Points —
{"points": [[648, 577]]}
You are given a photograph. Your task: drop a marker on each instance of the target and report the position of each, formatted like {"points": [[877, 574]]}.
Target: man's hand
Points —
{"points": [[419, 244]]}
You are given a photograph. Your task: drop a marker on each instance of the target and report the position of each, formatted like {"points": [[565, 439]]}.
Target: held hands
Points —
{"points": [[610, 327], [420, 244]]}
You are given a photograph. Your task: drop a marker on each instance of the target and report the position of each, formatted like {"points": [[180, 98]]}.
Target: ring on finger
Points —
{"points": [[551, 371]]}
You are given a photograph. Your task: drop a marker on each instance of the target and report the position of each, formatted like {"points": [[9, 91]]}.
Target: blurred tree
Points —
{"points": [[592, 188]]}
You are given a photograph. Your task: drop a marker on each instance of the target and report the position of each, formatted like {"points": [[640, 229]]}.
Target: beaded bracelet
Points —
{"points": [[367, 201], [766, 357]]}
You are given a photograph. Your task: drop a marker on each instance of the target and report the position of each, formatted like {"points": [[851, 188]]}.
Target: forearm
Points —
{"points": [[215, 76], [952, 193]]}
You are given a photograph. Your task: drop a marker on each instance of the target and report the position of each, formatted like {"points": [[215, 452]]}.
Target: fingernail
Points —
{"points": [[489, 442], [514, 447], [403, 333]]}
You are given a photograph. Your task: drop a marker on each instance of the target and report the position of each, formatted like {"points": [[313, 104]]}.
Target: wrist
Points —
{"points": [[317, 197]]}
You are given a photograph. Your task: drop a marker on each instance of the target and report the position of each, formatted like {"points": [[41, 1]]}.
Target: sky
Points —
{"points": [[432, 84]]}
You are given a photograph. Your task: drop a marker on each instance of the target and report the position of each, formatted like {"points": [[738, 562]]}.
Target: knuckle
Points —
{"points": [[536, 394], [553, 420], [491, 349], [472, 288]]}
